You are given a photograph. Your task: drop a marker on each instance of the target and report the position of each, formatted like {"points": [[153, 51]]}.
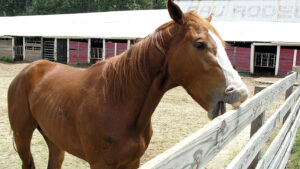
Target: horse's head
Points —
{"points": [[197, 60]]}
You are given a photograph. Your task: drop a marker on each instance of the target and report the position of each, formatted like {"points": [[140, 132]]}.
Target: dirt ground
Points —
{"points": [[176, 117]]}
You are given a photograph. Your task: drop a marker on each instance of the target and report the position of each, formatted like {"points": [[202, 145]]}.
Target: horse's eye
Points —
{"points": [[200, 45]]}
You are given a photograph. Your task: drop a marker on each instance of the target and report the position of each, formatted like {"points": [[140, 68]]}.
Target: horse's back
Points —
{"points": [[31, 79], [18, 104]]}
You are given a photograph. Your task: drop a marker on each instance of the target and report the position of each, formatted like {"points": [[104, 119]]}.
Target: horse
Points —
{"points": [[102, 114]]}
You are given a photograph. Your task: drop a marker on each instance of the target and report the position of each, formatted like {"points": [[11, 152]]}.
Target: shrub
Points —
{"points": [[6, 59]]}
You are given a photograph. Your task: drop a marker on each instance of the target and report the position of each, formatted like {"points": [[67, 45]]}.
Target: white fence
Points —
{"points": [[197, 150]]}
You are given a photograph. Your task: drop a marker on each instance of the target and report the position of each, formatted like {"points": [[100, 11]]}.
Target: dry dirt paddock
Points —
{"points": [[176, 117]]}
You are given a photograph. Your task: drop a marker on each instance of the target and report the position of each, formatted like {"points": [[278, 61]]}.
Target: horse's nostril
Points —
{"points": [[229, 90]]}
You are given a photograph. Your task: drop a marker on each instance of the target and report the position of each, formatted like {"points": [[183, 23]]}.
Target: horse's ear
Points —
{"points": [[175, 12], [209, 18]]}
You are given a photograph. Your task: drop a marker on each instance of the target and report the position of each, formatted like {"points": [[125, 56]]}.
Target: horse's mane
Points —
{"points": [[133, 65]]}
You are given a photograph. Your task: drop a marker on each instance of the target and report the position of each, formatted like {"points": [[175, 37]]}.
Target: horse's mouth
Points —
{"points": [[218, 110]]}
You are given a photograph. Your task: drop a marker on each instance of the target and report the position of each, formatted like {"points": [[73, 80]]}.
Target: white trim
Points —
{"points": [[128, 43], [68, 50], [103, 49], [252, 58], [277, 60], [55, 49], [295, 57], [116, 46], [13, 47], [89, 50], [24, 48], [42, 47], [265, 44]]}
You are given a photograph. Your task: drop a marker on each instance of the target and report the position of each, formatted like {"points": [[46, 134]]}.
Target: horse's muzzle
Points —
{"points": [[235, 95]]}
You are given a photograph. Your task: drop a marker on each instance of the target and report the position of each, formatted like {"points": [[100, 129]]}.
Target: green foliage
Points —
{"points": [[41, 7], [6, 59], [294, 162]]}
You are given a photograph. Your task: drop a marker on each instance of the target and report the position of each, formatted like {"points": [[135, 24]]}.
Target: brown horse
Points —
{"points": [[103, 114]]}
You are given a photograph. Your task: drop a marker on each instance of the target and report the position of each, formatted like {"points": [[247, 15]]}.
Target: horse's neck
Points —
{"points": [[139, 77], [160, 82]]}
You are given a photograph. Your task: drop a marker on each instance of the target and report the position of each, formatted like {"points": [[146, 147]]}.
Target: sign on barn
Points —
{"points": [[246, 10]]}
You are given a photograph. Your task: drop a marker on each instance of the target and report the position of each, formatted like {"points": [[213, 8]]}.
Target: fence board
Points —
{"points": [[265, 161], [283, 149], [198, 149], [254, 145], [288, 152]]}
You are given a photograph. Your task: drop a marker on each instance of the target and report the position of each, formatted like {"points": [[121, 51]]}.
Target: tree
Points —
{"points": [[40, 7]]}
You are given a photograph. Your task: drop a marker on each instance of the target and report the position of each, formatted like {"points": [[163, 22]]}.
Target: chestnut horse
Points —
{"points": [[103, 114]]}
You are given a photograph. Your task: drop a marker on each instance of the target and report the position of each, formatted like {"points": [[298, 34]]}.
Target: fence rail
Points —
{"points": [[198, 149]]}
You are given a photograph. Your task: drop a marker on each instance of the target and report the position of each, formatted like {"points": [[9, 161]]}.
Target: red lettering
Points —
{"points": [[268, 11], [218, 11], [204, 11], [285, 12], [191, 8], [253, 11], [238, 11], [297, 12]]}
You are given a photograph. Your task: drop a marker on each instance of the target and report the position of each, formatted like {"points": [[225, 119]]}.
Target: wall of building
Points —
{"points": [[6, 48]]}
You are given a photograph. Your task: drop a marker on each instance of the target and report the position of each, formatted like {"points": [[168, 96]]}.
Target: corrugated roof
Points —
{"points": [[138, 24]]}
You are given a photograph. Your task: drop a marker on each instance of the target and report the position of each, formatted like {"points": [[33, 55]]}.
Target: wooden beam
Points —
{"points": [[116, 47], [24, 48], [55, 49], [295, 57], [254, 145], [89, 50], [277, 60], [265, 161], [296, 69], [128, 43], [252, 58], [284, 147], [103, 49], [287, 154], [198, 149], [13, 47], [255, 126], [68, 50], [288, 92]]}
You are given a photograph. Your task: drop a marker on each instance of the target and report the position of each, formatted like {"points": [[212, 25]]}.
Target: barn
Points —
{"points": [[261, 36]]}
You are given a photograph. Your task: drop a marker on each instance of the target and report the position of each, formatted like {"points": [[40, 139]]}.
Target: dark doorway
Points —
{"points": [[18, 48], [96, 50], [62, 50], [265, 60]]}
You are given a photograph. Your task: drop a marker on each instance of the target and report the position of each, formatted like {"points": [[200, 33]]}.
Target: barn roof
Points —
{"points": [[138, 24]]}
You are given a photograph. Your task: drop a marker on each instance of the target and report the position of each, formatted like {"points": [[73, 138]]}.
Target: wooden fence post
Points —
{"points": [[288, 92], [255, 125]]}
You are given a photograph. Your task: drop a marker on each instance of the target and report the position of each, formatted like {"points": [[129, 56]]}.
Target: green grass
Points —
{"points": [[294, 162], [6, 59]]}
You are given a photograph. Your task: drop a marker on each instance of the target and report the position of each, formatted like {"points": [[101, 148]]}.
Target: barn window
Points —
{"points": [[265, 59], [37, 48]]}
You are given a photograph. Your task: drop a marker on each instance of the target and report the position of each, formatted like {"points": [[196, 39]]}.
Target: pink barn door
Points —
{"points": [[78, 52], [113, 49], [239, 58], [285, 61], [231, 55], [298, 58], [243, 59]]}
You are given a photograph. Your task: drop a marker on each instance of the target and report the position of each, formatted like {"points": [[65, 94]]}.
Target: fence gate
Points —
{"points": [[48, 52]]}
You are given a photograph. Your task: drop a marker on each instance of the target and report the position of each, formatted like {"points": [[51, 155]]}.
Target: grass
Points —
{"points": [[294, 161], [6, 59]]}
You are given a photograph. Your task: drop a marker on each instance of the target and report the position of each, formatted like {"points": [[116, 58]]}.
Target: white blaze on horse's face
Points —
{"points": [[236, 91]]}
